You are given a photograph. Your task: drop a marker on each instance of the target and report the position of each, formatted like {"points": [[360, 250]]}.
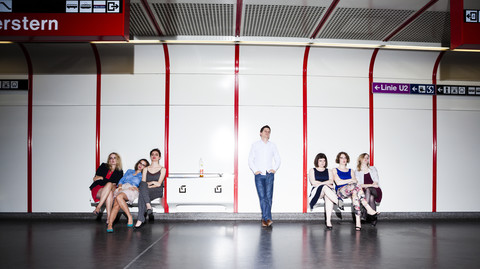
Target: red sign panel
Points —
{"points": [[464, 24], [75, 24]]}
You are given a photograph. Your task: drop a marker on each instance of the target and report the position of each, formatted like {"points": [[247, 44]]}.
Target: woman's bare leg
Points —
{"points": [[102, 194], [121, 200], [113, 215], [109, 203]]}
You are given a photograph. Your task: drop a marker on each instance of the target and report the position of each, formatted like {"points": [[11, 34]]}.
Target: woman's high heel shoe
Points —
{"points": [[138, 227], [109, 230]]}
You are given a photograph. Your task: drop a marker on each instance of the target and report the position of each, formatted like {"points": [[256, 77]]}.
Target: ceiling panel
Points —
{"points": [[281, 20], [350, 20], [192, 19], [363, 23]]}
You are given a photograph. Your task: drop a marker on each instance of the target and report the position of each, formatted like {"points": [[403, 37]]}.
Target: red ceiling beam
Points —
{"points": [[409, 20], [238, 22], [146, 6], [324, 18]]}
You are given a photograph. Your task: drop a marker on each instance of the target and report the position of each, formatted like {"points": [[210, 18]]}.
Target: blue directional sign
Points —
{"points": [[422, 89]]}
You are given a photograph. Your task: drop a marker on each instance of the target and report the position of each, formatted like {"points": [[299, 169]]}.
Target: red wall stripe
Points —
{"points": [[236, 105], [434, 148], [30, 126], [305, 120], [98, 105], [167, 122], [370, 105], [146, 6]]}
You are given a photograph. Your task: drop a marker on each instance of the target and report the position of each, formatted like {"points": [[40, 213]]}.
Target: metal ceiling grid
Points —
{"points": [[139, 22], [195, 19], [363, 23], [431, 26], [281, 20]]}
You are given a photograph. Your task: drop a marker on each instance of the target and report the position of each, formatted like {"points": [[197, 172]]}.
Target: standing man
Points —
{"points": [[261, 157]]}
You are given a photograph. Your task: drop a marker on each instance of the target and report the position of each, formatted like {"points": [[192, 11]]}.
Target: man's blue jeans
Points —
{"points": [[264, 184]]}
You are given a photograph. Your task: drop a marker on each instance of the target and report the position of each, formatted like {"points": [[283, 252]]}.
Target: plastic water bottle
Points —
{"points": [[200, 163]]}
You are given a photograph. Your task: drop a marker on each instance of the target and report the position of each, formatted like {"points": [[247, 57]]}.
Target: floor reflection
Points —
{"points": [[239, 244]]}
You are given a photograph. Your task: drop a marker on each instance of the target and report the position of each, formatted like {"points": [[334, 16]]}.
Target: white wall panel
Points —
{"points": [[331, 130], [269, 90], [201, 132], [400, 101], [274, 60], [64, 90], [458, 102], [63, 158], [207, 59], [404, 65], [149, 59], [457, 161], [338, 62], [143, 89], [132, 131], [287, 132], [403, 157], [205, 89], [335, 92], [13, 158]]}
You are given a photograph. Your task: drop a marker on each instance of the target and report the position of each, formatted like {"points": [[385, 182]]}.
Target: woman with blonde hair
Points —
{"points": [[104, 182], [367, 177], [347, 187]]}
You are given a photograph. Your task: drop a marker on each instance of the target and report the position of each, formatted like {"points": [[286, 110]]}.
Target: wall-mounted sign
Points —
{"points": [[64, 20], [381, 87], [458, 90], [471, 15], [464, 24], [13, 84], [422, 89]]}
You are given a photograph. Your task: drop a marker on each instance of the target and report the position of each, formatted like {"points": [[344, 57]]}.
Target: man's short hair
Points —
{"points": [[266, 126]]}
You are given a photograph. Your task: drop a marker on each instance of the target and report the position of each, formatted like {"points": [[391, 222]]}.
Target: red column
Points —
{"points": [[236, 104], [434, 142], [167, 121], [305, 119]]}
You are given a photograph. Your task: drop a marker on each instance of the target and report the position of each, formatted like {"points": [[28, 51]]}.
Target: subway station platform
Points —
{"points": [[65, 241]]}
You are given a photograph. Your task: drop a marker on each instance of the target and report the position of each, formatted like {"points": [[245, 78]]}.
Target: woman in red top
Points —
{"points": [[104, 182]]}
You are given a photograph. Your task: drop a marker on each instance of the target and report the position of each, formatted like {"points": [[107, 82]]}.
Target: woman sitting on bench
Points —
{"points": [[321, 179], [151, 187], [347, 188], [107, 176], [126, 192]]}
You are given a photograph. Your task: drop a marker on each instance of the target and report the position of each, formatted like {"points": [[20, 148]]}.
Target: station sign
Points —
{"points": [[459, 90], [13, 84], [381, 87], [64, 20], [425, 89], [403, 88]]}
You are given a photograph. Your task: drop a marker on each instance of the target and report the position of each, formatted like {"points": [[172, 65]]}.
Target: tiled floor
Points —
{"points": [[239, 244]]}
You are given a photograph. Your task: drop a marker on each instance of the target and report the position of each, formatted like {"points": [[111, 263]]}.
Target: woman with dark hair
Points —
{"points": [[107, 176], [347, 188], [151, 186], [321, 179], [367, 177], [126, 192]]}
